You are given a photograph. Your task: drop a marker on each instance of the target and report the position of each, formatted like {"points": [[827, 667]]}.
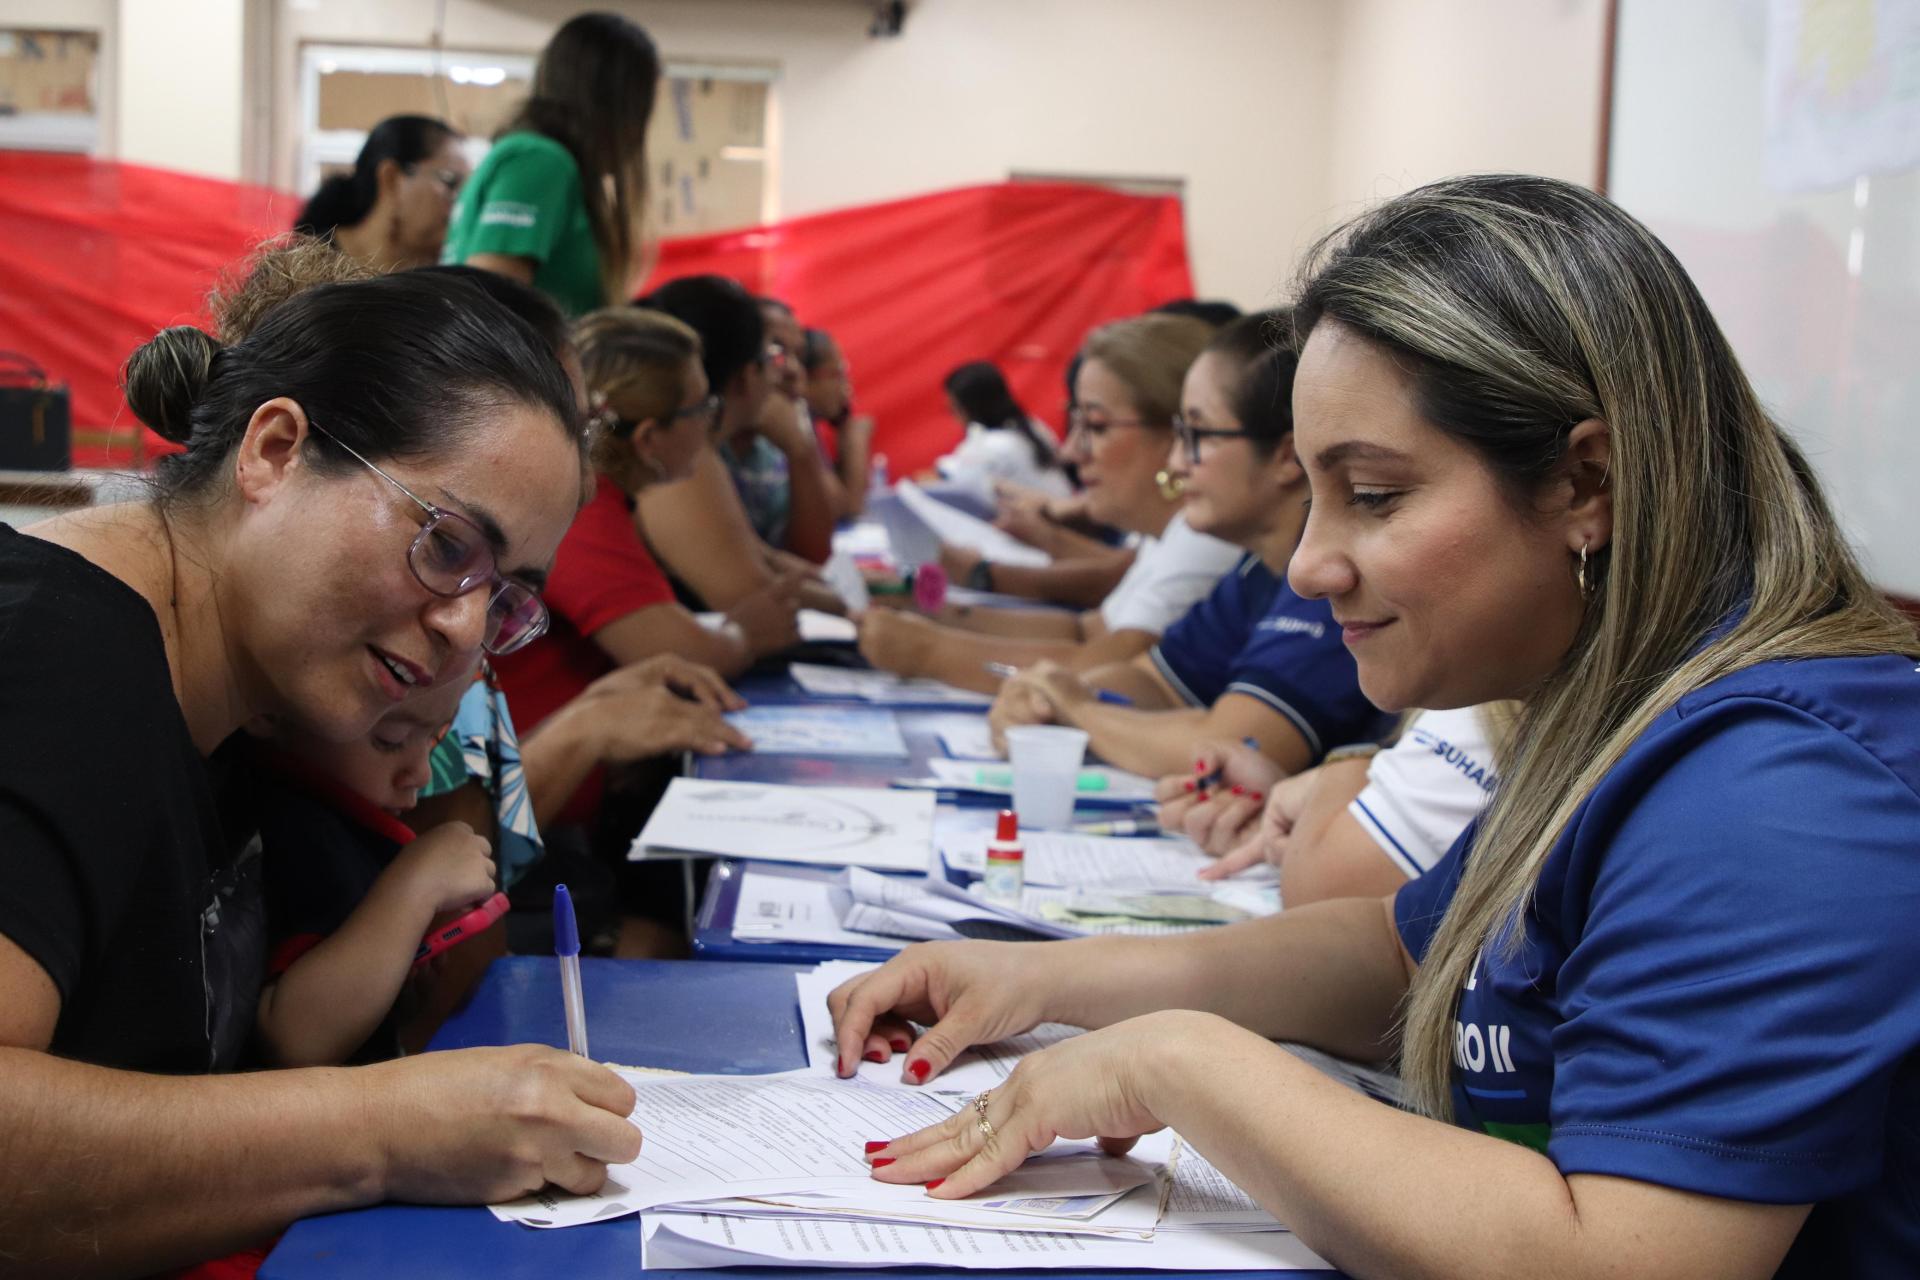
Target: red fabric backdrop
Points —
{"points": [[94, 257]]}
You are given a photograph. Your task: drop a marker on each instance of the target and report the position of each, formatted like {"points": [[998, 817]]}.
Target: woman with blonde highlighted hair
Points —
{"points": [[1655, 1011]]}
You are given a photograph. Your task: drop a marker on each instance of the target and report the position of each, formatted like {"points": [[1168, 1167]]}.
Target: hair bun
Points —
{"points": [[166, 377]]}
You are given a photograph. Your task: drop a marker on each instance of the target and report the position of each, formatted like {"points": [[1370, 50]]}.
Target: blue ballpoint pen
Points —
{"points": [[566, 945]]}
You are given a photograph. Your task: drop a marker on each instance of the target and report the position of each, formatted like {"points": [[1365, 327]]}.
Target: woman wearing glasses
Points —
{"points": [[390, 212], [610, 602], [1127, 390], [372, 487], [1253, 662]]}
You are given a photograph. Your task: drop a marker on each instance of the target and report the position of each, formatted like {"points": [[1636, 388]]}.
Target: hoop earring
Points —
{"points": [[1171, 485], [1580, 574]]}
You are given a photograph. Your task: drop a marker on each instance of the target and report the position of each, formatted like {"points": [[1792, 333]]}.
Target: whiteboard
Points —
{"points": [[1806, 243]]}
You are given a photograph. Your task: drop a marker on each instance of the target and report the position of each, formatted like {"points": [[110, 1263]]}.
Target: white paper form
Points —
{"points": [[843, 576], [708, 1137], [974, 1071], [997, 780], [821, 731], [832, 826], [817, 627], [957, 528], [786, 909], [929, 909], [966, 737], [880, 688], [1067, 860], [698, 1240]]}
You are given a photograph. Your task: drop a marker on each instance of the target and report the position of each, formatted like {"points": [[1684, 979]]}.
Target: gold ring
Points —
{"points": [[980, 1107]]}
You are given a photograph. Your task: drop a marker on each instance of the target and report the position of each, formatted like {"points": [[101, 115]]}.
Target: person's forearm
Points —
{"points": [[1329, 975], [856, 468], [998, 620], [963, 660], [1151, 742], [812, 509], [1082, 583], [700, 533], [113, 1173], [1378, 1191], [556, 758], [1062, 543], [331, 999]]}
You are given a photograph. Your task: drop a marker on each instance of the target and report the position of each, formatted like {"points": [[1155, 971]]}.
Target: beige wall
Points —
{"points": [[1428, 88], [1279, 116]]}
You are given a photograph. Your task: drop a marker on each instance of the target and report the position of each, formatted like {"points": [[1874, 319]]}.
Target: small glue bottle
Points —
{"points": [[1006, 861]]}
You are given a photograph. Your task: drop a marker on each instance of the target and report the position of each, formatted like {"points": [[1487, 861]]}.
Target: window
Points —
{"points": [[709, 145]]}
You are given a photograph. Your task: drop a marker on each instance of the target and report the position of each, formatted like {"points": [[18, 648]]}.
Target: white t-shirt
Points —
{"points": [[997, 453], [1169, 575], [1423, 791]]}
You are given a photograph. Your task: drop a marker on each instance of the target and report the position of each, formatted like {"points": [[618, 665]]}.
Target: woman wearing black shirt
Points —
{"points": [[373, 485]]}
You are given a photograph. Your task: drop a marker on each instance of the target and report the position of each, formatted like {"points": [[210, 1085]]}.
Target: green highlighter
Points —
{"points": [[1089, 779]]}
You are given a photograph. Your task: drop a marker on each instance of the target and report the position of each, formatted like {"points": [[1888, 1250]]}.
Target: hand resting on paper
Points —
{"points": [[1086, 1087], [964, 993]]}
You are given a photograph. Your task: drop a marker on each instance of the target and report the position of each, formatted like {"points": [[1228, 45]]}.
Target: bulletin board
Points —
{"points": [[1775, 146]]}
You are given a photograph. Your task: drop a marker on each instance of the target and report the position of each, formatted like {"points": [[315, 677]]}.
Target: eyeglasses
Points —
{"points": [[451, 179], [1097, 428], [1190, 436], [605, 419], [450, 557]]}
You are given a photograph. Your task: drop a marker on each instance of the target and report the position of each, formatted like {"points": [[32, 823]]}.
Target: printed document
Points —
{"points": [[836, 826]]}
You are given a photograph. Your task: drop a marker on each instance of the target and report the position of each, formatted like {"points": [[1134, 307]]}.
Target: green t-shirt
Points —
{"points": [[524, 200]]}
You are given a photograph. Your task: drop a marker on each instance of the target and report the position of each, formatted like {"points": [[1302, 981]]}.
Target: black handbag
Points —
{"points": [[36, 417]]}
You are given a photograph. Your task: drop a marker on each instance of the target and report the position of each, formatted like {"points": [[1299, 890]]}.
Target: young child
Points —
{"points": [[351, 890]]}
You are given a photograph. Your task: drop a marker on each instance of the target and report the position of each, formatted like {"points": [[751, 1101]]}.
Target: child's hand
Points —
{"points": [[445, 869]]}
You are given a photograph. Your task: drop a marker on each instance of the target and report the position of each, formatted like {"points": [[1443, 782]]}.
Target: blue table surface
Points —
{"points": [[705, 1016]]}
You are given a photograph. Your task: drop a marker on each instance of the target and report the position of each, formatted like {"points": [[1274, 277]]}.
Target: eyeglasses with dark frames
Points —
{"points": [[1190, 436], [450, 556]]}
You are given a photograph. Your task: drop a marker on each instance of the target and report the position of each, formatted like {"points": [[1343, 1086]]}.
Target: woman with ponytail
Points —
{"points": [[559, 202], [1656, 1010], [372, 486], [390, 211]]}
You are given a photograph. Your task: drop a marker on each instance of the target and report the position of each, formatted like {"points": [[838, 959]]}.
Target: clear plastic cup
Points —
{"points": [[1046, 762]]}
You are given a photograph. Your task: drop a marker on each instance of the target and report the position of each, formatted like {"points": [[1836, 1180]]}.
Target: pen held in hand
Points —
{"points": [[566, 945]]}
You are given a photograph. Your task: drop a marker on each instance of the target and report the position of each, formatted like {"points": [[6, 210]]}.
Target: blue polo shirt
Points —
{"points": [[1718, 984], [1253, 635]]}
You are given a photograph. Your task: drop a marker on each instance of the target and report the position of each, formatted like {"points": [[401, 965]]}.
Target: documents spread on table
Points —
{"points": [[771, 1171], [777, 908], [956, 528], [821, 731], [1068, 860], [838, 826], [881, 688], [967, 737]]}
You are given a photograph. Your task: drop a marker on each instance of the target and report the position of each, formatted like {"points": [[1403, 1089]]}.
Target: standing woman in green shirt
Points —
{"points": [[559, 201]]}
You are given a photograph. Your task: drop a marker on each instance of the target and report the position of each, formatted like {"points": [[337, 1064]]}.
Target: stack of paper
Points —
{"points": [[955, 527], [838, 826], [881, 688]]}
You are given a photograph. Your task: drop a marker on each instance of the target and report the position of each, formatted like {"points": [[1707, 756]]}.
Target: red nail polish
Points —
{"points": [[875, 1146], [936, 1182], [901, 1046], [1190, 784], [918, 1069], [1238, 789], [873, 1055], [1255, 796], [883, 1162], [1199, 766]]}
